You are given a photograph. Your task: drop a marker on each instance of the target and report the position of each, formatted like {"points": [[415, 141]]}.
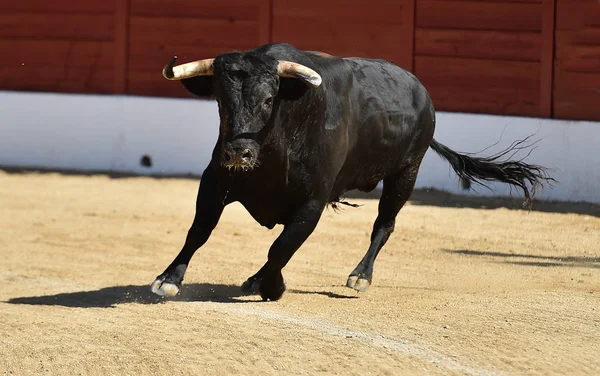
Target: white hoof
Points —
{"points": [[164, 288], [351, 281], [362, 285]]}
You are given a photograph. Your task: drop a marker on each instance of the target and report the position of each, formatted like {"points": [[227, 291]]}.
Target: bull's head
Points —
{"points": [[247, 89]]}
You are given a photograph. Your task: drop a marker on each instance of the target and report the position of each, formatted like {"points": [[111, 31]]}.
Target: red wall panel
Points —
{"points": [[189, 30], [58, 46], [481, 56], [518, 57], [348, 28], [577, 60]]}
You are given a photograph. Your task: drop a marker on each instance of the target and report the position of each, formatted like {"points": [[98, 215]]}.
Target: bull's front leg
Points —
{"points": [[268, 281], [209, 207]]}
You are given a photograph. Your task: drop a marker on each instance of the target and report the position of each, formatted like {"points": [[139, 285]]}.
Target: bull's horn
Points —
{"points": [[188, 70], [295, 70]]}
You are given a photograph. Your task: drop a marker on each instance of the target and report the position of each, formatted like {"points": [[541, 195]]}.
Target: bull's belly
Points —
{"points": [[365, 176], [267, 213]]}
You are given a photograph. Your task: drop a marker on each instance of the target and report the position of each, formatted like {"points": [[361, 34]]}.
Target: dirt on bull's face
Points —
{"points": [[465, 286]]}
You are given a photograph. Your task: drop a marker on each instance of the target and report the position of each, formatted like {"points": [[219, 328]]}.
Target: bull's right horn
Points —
{"points": [[188, 70]]}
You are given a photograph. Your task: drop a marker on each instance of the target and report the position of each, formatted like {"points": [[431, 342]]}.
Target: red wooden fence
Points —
{"points": [[577, 60], [489, 54], [159, 29], [516, 57], [348, 28], [58, 45]]}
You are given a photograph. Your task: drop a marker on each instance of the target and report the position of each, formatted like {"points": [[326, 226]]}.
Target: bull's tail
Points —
{"points": [[481, 169]]}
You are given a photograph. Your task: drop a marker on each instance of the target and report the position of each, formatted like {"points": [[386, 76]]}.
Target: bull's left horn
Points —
{"points": [[295, 70], [188, 70]]}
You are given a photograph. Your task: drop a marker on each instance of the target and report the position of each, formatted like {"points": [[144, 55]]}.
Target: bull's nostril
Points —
{"points": [[247, 154], [227, 157]]}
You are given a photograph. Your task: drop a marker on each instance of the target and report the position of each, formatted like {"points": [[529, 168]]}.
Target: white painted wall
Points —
{"points": [[111, 133], [569, 148]]}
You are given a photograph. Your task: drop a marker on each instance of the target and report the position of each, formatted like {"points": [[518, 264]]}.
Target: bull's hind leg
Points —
{"points": [[396, 191]]}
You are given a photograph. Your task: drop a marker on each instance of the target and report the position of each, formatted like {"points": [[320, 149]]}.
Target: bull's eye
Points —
{"points": [[268, 103]]}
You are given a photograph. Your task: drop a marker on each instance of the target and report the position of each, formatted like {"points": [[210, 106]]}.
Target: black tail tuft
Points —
{"points": [[481, 169], [335, 204]]}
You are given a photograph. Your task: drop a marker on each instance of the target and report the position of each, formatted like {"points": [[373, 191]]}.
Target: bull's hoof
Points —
{"points": [[357, 283], [162, 288], [251, 285], [272, 288], [268, 283], [351, 281]]}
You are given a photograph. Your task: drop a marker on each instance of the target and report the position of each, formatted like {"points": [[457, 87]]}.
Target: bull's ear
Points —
{"points": [[201, 86], [292, 89]]}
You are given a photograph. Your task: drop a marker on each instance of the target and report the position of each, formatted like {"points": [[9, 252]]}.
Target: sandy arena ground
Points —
{"points": [[464, 286]]}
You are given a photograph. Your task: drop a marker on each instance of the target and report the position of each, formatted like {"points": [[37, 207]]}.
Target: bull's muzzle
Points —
{"points": [[240, 155]]}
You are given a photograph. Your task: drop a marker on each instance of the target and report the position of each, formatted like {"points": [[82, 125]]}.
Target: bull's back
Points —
{"points": [[388, 94]]}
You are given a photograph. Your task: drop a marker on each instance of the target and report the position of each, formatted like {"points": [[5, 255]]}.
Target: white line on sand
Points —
{"points": [[374, 339]]}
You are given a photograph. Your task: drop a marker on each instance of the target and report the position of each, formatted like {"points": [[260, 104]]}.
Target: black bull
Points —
{"points": [[292, 141]]}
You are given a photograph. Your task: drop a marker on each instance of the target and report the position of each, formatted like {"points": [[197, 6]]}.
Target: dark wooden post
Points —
{"points": [[547, 58]]}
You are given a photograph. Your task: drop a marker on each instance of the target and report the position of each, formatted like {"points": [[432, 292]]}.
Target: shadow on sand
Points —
{"points": [[111, 296], [534, 260], [434, 197]]}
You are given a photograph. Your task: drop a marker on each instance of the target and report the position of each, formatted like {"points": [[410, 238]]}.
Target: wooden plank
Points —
{"points": [[265, 21], [489, 100], [582, 36], [459, 72], [57, 6], [56, 53], [576, 95], [383, 41], [514, 1], [57, 26], [547, 62], [576, 14], [576, 81], [577, 104], [577, 57], [226, 9], [508, 45], [154, 40], [56, 79], [479, 15], [346, 11], [121, 45], [209, 32]]}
